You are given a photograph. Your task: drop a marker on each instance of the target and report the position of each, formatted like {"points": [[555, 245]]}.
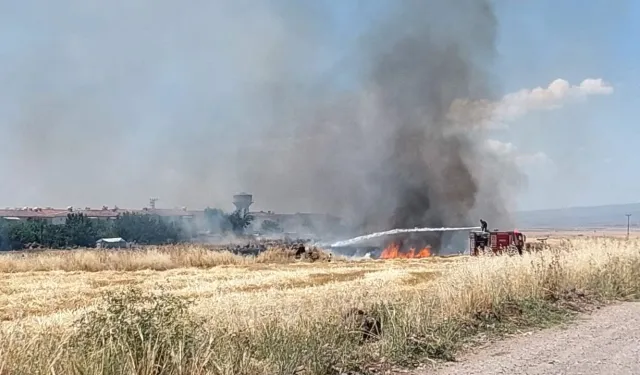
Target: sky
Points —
{"points": [[116, 102], [590, 144]]}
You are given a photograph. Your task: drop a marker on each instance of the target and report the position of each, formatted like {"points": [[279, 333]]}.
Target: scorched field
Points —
{"points": [[186, 310]]}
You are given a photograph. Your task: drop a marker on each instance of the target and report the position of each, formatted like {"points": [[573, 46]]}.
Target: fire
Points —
{"points": [[393, 252]]}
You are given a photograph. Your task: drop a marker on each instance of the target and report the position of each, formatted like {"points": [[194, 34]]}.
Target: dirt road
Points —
{"points": [[606, 341]]}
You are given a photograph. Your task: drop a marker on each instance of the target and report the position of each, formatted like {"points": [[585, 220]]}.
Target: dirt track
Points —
{"points": [[606, 341]]}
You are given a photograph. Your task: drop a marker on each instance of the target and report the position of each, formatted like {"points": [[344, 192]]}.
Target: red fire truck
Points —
{"points": [[496, 241]]}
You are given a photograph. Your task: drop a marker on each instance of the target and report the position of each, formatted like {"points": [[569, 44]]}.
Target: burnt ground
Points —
{"points": [[606, 341]]}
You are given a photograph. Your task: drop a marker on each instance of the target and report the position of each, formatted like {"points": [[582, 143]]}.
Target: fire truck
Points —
{"points": [[496, 241]]}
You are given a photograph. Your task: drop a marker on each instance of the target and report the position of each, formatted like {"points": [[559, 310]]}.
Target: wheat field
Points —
{"points": [[186, 310]]}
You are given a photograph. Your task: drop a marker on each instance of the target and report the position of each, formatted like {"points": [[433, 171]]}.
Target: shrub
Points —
{"points": [[135, 332]]}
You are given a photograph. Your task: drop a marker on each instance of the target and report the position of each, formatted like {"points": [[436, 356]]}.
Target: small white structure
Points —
{"points": [[110, 243]]}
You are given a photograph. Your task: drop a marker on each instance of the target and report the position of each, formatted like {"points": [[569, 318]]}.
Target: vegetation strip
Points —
{"points": [[149, 228], [388, 325]]}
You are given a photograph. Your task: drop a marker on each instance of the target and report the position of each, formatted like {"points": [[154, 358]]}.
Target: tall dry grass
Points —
{"points": [[156, 258], [132, 332]]}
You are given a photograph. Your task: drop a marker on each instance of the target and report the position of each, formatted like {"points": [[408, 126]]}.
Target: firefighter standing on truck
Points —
{"points": [[483, 225]]}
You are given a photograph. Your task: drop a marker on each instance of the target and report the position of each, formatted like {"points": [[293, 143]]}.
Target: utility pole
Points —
{"points": [[628, 216]]}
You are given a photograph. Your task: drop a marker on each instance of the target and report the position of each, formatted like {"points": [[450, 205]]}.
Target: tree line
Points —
{"points": [[145, 229]]}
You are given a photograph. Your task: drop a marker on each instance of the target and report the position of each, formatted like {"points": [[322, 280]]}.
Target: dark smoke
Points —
{"points": [[418, 75], [386, 154]]}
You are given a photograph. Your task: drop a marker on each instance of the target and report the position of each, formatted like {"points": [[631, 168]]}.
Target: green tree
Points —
{"points": [[147, 229], [54, 236], [5, 243], [104, 229], [80, 231], [27, 232], [240, 220]]}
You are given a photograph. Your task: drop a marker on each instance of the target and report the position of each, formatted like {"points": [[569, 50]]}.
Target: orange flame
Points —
{"points": [[393, 252]]}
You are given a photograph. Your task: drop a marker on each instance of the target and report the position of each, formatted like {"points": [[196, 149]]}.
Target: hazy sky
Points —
{"points": [[117, 101]]}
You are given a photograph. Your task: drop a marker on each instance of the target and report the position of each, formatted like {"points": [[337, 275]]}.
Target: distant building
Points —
{"points": [[104, 214], [59, 216], [48, 215], [175, 215]]}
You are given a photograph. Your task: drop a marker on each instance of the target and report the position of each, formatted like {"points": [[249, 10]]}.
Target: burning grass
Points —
{"points": [[393, 252], [274, 318]]}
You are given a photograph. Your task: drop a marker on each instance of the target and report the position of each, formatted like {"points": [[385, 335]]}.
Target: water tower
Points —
{"points": [[242, 201]]}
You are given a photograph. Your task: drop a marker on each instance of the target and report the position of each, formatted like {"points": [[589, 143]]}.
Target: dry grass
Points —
{"points": [[156, 258], [251, 316]]}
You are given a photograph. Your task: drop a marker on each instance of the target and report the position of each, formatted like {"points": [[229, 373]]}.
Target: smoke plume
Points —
{"points": [[386, 153], [114, 102]]}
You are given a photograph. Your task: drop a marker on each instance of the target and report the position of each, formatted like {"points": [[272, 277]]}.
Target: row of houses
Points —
{"points": [[59, 216]]}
